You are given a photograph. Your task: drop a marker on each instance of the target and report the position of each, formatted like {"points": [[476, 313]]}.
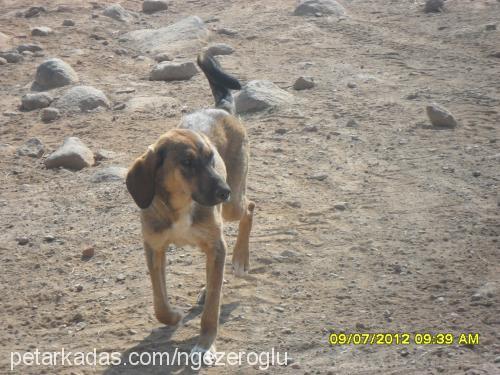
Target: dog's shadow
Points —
{"points": [[157, 354]]}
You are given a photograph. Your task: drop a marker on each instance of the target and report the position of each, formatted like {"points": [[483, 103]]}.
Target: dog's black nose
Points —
{"points": [[222, 193]]}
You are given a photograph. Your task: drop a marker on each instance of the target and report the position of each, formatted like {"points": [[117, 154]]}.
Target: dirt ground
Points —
{"points": [[388, 226]]}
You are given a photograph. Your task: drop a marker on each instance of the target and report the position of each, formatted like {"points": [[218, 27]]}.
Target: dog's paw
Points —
{"points": [[203, 355], [239, 269]]}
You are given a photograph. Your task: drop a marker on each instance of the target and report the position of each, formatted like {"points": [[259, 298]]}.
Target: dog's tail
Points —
{"points": [[220, 82]]}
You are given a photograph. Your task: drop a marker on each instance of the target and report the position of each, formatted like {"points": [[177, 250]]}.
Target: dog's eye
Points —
{"points": [[187, 163]]}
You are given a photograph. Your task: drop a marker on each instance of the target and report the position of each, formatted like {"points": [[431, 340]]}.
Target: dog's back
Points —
{"points": [[224, 130]]}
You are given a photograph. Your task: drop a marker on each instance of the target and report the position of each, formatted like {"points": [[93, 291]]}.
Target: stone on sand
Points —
{"points": [[33, 147], [29, 47], [82, 99], [117, 12], [184, 36], [260, 94], [49, 114], [441, 117], [433, 6], [173, 71], [11, 57], [41, 31], [219, 49], [38, 100], [54, 73], [73, 154], [313, 7], [303, 83], [152, 6]]}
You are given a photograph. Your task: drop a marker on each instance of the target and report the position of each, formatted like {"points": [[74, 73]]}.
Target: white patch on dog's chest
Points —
{"points": [[181, 231]]}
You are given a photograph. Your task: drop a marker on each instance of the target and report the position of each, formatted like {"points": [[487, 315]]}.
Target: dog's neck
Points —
{"points": [[172, 206]]}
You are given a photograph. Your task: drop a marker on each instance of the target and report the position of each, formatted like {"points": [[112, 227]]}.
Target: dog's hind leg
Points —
{"points": [[164, 312]]}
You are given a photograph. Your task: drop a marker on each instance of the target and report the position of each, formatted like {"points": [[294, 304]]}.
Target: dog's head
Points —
{"points": [[180, 163]]}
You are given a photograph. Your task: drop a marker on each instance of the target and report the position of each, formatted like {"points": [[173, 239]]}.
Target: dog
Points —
{"points": [[191, 180]]}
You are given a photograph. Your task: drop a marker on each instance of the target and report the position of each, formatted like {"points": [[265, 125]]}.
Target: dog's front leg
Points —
{"points": [[216, 255], [156, 265]]}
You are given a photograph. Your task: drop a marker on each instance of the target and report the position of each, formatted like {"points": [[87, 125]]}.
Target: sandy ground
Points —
{"points": [[417, 240]]}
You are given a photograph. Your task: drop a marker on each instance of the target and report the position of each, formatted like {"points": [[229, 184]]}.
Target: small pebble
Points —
{"points": [[22, 240], [88, 252]]}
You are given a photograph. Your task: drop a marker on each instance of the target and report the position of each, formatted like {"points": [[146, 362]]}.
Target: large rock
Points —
{"points": [[30, 102], [314, 7], [32, 147], [73, 154], [259, 95], [440, 117], [173, 71], [11, 56], [186, 35], [151, 104], [117, 12], [151, 6], [111, 173], [54, 73], [82, 99]]}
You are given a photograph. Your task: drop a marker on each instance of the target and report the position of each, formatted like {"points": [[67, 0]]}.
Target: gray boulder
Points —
{"points": [[173, 71], [11, 57], [220, 49], [152, 6], [111, 173], [303, 83], [259, 95], [49, 114], [30, 102], [54, 73], [117, 12], [313, 7], [82, 99], [441, 117], [41, 31], [73, 154], [33, 147], [29, 47], [433, 6], [186, 35]]}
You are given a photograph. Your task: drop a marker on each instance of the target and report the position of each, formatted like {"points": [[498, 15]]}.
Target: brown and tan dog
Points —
{"points": [[190, 180]]}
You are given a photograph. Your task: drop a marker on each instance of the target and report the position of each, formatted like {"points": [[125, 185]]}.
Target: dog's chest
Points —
{"points": [[181, 231]]}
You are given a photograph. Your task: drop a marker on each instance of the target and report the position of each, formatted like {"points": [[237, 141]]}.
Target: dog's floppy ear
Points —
{"points": [[141, 178]]}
